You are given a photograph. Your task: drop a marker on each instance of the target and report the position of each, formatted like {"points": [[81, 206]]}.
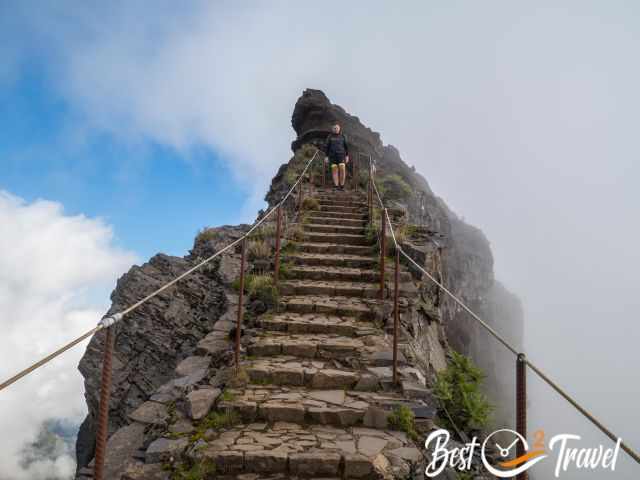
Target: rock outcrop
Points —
{"points": [[313, 396]]}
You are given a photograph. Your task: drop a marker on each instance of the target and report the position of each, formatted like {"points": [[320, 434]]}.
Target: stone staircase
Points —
{"points": [[317, 391]]}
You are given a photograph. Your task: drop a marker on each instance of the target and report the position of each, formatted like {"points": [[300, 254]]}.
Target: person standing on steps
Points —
{"points": [[337, 151]]}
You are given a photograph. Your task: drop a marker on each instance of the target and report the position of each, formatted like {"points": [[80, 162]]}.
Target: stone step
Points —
{"points": [[289, 450], [318, 346], [333, 193], [343, 274], [325, 220], [298, 323], [341, 203], [344, 238], [335, 248], [330, 288], [340, 215], [312, 373], [329, 209], [300, 405], [328, 228], [332, 260], [360, 308]]}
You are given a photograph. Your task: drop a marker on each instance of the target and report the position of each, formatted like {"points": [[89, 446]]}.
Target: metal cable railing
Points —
{"points": [[521, 359], [108, 321]]}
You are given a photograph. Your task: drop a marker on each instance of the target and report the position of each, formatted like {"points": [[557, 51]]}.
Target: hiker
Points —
{"points": [[337, 151]]}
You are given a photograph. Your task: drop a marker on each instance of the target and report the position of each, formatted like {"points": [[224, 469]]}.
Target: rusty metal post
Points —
{"points": [[324, 173], [521, 406], [354, 168], [370, 197], [276, 273], [240, 299], [396, 317], [300, 193], [383, 250], [103, 409]]}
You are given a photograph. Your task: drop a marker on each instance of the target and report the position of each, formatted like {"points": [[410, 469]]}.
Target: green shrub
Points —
{"points": [[258, 250], [285, 270], [261, 287], [458, 388], [296, 232], [403, 419], [363, 178], [371, 232], [393, 187], [264, 232], [207, 234], [194, 470], [310, 203], [219, 420]]}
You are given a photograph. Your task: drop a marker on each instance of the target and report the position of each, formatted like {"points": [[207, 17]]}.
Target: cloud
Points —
{"points": [[52, 269]]}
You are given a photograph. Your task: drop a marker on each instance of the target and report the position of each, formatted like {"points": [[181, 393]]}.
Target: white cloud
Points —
{"points": [[51, 266]]}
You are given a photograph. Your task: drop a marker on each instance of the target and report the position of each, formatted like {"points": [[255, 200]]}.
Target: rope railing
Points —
{"points": [[520, 357], [110, 320]]}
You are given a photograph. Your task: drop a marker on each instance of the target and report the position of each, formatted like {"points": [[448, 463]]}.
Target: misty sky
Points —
{"points": [[137, 125]]}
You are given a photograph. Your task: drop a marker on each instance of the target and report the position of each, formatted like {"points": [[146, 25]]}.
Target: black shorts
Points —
{"points": [[336, 160]]}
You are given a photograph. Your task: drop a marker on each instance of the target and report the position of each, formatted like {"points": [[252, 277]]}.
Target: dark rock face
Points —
{"points": [[314, 115], [152, 340]]}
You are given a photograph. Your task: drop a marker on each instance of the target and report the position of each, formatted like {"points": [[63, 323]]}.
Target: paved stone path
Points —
{"points": [[319, 388]]}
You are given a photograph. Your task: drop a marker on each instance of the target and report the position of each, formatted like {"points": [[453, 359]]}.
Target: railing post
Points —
{"points": [[276, 273], [396, 317], [521, 406], [370, 197], [240, 299], [354, 170], [103, 409], [300, 193], [383, 250]]}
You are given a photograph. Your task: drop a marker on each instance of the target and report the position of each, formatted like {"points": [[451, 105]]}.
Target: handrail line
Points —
{"points": [[114, 318], [633, 454]]}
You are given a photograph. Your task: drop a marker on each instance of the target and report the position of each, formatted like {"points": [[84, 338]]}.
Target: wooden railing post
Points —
{"points": [[103, 409], [240, 300], [396, 317], [276, 273], [521, 406], [383, 250]]}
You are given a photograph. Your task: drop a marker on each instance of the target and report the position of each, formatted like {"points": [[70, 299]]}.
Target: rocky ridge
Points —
{"points": [[313, 397]]}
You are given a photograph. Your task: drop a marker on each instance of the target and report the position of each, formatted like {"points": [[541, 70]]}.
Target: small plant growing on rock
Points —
{"points": [[193, 470], [285, 270], [207, 234], [371, 232], [258, 250], [264, 232], [393, 187], [310, 203], [458, 388], [261, 288], [219, 420], [403, 419], [296, 232]]}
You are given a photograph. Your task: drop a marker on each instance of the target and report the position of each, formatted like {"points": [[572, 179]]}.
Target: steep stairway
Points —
{"points": [[319, 391]]}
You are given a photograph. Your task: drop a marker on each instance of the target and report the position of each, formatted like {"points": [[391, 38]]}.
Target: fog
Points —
{"points": [[522, 117]]}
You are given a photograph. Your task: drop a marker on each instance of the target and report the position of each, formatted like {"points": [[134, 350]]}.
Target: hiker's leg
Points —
{"points": [[334, 173], [343, 173]]}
